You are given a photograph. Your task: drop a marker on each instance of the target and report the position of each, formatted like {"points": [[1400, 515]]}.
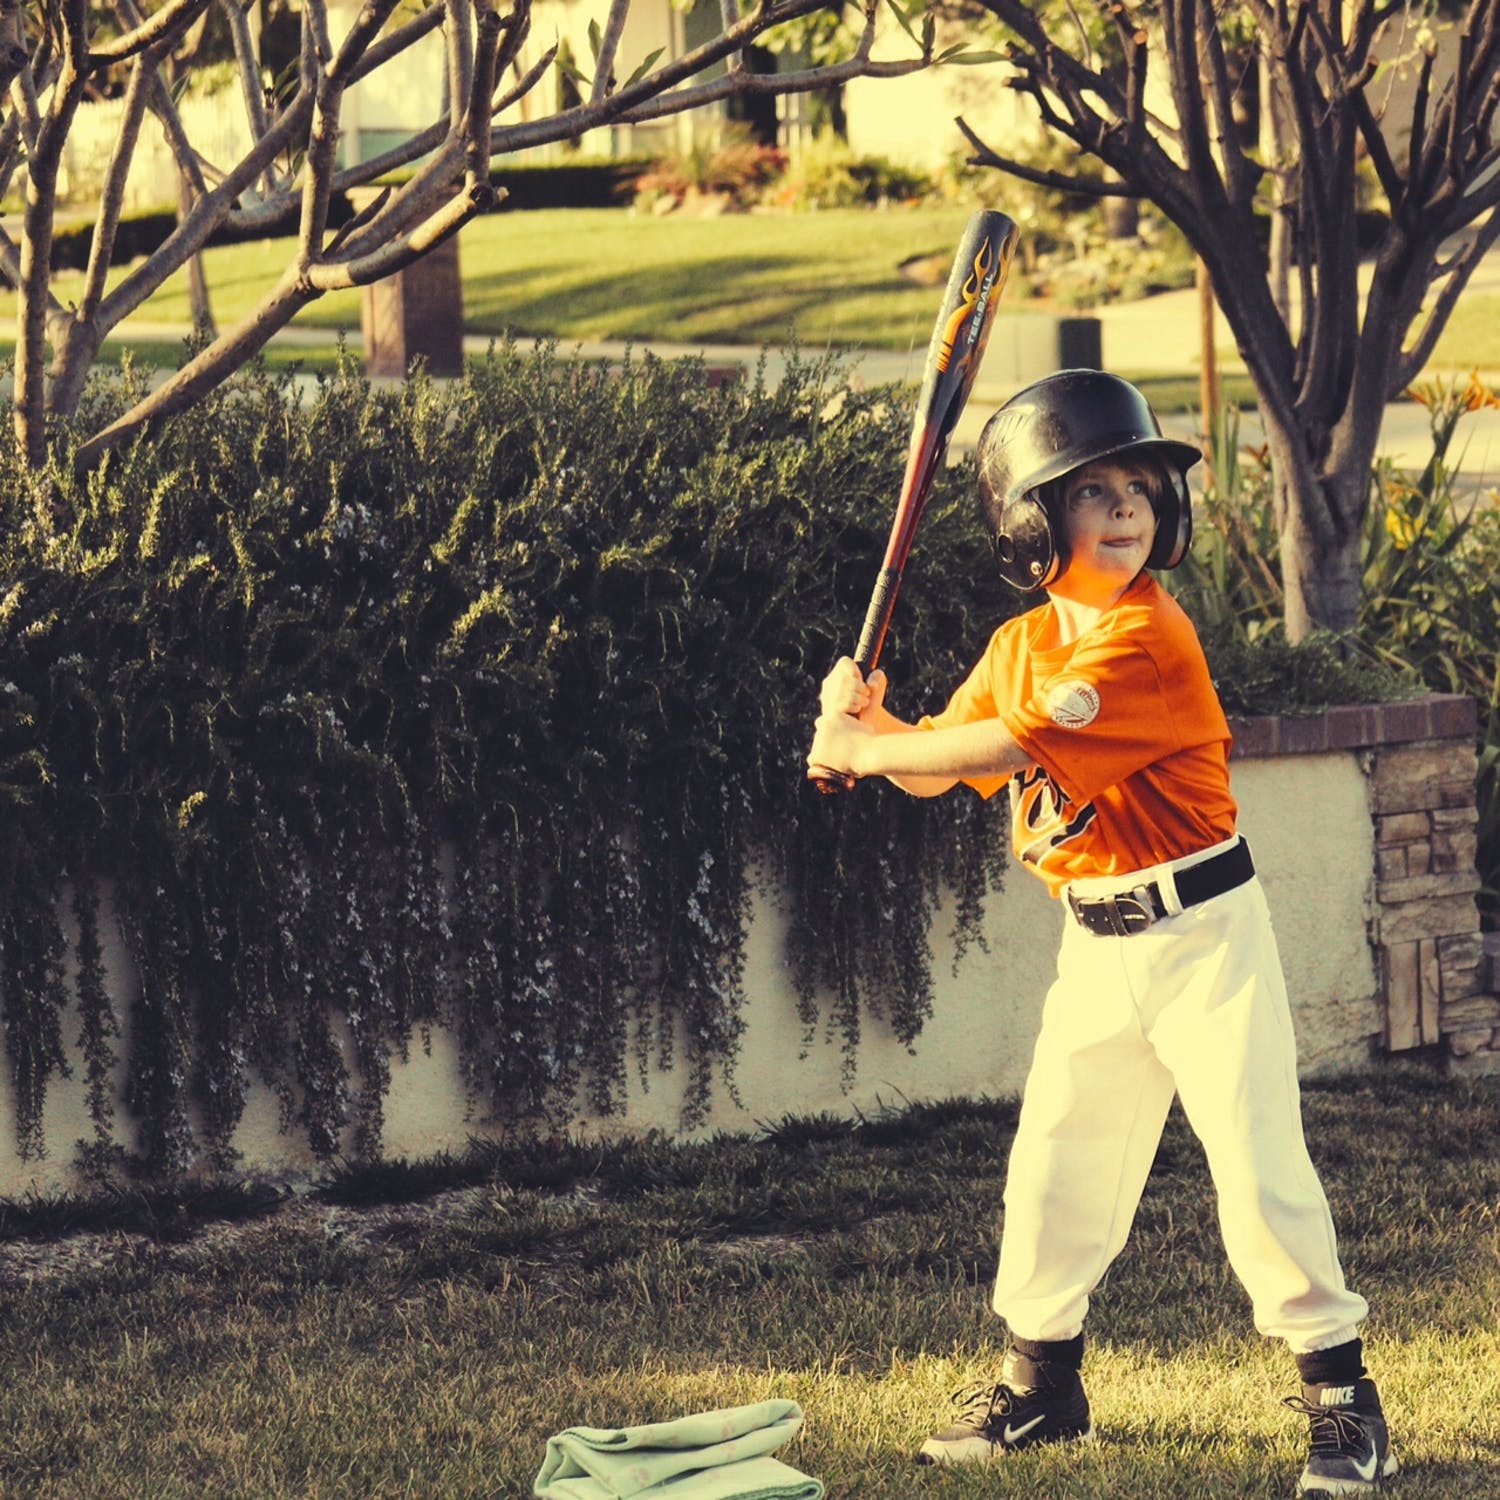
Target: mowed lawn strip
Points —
{"points": [[846, 1265]]}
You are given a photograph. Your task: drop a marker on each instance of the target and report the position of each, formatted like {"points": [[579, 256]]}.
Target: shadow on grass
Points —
{"points": [[841, 1263], [662, 302]]}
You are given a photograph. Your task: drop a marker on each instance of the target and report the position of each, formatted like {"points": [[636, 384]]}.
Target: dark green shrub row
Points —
{"points": [[481, 704], [138, 234], [582, 184], [141, 233]]}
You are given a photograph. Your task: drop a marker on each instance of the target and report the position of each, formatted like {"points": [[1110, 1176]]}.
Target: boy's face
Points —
{"points": [[1110, 522]]}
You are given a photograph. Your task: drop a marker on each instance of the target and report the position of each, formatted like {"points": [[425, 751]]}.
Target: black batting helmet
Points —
{"points": [[1045, 432]]}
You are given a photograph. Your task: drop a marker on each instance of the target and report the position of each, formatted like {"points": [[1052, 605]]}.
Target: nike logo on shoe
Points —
{"points": [[1337, 1395], [1013, 1435]]}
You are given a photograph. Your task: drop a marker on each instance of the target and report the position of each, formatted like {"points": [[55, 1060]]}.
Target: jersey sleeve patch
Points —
{"points": [[1073, 703]]}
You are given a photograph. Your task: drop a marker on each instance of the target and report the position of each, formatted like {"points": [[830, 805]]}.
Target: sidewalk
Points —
{"points": [[1139, 337]]}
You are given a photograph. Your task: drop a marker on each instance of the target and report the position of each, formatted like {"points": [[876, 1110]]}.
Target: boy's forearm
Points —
{"points": [[902, 752], [885, 723]]}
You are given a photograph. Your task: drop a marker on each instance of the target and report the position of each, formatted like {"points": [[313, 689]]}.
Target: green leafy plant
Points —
{"points": [[827, 173], [1429, 616], [1230, 580]]}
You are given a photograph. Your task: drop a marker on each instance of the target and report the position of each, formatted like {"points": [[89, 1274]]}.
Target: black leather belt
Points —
{"points": [[1134, 911]]}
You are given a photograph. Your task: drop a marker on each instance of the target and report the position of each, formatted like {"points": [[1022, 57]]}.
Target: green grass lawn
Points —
{"points": [[844, 1266], [1471, 341], [828, 278], [831, 277]]}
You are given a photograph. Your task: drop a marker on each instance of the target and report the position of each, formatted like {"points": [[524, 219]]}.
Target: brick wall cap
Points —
{"points": [[1437, 716]]}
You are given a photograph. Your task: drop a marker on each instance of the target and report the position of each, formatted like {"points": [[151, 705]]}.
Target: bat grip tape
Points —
{"points": [[877, 618]]}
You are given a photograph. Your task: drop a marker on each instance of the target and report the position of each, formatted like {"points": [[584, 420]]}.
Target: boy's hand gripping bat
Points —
{"points": [[963, 324]]}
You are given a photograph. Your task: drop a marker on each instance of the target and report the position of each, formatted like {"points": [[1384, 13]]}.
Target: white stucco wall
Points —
{"points": [[1308, 821]]}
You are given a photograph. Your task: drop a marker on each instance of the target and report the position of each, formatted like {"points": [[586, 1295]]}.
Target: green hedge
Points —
{"points": [[580, 184], [481, 704], [139, 234]]}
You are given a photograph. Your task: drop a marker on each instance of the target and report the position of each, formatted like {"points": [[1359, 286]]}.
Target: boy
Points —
{"points": [[1098, 710]]}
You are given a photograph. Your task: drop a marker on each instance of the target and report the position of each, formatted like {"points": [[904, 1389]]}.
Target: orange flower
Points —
{"points": [[1478, 395]]}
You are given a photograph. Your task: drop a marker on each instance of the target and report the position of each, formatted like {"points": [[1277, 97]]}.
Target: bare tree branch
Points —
{"points": [[10, 152], [208, 213], [460, 59], [396, 42], [159, 99], [161, 29], [324, 134], [252, 91], [12, 49], [609, 45], [729, 15], [510, 46], [1063, 182], [35, 301], [395, 255], [1456, 275], [112, 197], [290, 172], [1239, 174]]}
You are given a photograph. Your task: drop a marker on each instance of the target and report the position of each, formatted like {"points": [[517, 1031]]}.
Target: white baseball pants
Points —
{"points": [[1195, 1005]]}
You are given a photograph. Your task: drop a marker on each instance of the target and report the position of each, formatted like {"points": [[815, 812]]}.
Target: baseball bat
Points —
{"points": [[980, 266]]}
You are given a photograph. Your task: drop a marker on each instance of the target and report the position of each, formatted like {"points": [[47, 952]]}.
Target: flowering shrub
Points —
{"points": [[738, 170], [1429, 611]]}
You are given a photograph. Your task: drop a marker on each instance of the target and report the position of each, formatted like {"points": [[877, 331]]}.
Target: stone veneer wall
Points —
{"points": [[1439, 973]]}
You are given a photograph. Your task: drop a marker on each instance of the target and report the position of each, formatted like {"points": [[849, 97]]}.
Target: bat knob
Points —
{"points": [[830, 783]]}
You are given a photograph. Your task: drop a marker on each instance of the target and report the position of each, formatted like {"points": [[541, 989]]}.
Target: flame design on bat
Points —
{"points": [[975, 297]]}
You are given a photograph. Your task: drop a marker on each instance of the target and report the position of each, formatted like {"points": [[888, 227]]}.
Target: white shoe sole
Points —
{"points": [[980, 1450], [1318, 1485]]}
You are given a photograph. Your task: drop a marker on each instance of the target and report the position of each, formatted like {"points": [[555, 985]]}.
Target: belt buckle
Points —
{"points": [[1123, 914], [1084, 912], [1130, 912]]}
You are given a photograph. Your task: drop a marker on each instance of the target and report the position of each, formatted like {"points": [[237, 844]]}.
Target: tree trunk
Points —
{"points": [[1276, 151], [1322, 584], [1321, 563], [199, 305]]}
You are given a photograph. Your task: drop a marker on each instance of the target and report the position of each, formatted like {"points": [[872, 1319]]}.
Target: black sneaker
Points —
{"points": [[998, 1419], [1351, 1449]]}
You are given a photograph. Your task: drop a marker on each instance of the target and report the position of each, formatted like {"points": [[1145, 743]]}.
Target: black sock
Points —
{"points": [[1041, 1362], [1341, 1365]]}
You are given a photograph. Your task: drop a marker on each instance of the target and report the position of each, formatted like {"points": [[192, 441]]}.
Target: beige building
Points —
{"points": [[909, 120]]}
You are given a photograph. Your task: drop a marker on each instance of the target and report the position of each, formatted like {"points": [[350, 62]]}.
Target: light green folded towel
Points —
{"points": [[714, 1455]]}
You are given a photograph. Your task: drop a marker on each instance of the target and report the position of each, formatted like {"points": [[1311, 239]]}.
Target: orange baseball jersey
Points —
{"points": [[1130, 744]]}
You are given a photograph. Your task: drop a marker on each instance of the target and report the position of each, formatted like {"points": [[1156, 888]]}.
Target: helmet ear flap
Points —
{"points": [[1047, 431], [1174, 520], [1025, 543]]}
